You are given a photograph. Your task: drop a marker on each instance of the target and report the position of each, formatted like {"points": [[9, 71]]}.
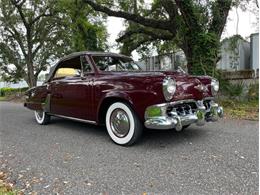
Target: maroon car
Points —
{"points": [[111, 89]]}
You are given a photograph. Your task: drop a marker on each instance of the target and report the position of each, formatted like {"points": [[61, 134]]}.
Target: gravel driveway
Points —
{"points": [[67, 157]]}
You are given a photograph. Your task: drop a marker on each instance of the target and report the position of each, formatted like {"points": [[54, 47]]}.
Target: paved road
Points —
{"points": [[68, 157]]}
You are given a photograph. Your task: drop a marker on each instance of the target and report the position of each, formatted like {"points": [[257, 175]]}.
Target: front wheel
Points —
{"points": [[123, 126], [42, 117]]}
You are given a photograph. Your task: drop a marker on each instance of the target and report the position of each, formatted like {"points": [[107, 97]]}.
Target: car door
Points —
{"points": [[72, 95]]}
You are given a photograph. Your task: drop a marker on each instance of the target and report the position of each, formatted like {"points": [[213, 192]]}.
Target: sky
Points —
{"points": [[246, 26]]}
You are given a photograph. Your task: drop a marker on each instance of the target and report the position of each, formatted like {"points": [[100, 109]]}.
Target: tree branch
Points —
{"points": [[220, 12], [39, 17], [161, 24], [16, 36], [187, 13], [19, 8], [170, 8], [128, 48], [153, 33]]}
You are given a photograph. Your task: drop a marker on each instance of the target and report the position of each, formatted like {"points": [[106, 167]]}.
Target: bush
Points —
{"points": [[253, 91], [9, 91], [233, 90]]}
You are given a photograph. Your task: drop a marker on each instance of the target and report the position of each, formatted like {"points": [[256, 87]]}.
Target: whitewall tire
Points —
{"points": [[122, 124], [42, 117]]}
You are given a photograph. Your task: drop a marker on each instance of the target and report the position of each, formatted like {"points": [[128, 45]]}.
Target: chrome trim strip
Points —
{"points": [[209, 98], [74, 119], [179, 102], [174, 103]]}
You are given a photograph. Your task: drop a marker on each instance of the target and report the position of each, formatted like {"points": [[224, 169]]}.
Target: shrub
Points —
{"points": [[233, 90], [253, 91], [9, 91]]}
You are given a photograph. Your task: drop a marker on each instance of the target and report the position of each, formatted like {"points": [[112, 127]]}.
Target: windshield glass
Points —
{"points": [[112, 63]]}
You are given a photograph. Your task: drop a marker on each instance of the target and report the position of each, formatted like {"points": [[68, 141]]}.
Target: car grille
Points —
{"points": [[183, 108], [206, 103], [186, 108]]}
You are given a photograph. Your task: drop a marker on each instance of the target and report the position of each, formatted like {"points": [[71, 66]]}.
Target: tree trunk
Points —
{"points": [[31, 77], [31, 80], [188, 54], [201, 52]]}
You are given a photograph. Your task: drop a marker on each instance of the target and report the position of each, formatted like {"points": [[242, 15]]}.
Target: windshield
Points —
{"points": [[112, 63]]}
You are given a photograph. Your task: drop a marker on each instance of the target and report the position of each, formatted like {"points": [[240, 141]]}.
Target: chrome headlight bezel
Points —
{"points": [[169, 88], [214, 86]]}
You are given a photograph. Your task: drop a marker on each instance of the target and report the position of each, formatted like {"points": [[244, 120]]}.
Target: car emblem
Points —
{"points": [[201, 88]]}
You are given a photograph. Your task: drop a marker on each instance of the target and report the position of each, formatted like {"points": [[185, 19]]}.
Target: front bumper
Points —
{"points": [[182, 113]]}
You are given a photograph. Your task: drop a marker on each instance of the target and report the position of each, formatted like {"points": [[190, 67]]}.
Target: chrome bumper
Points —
{"points": [[175, 120]]}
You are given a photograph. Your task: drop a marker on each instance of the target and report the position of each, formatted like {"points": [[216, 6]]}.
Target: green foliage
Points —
{"points": [[232, 42], [195, 26], [240, 109], [36, 33], [233, 90], [5, 91], [31, 37], [85, 28], [253, 91], [204, 54]]}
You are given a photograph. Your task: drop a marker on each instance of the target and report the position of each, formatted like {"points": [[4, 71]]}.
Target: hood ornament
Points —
{"points": [[201, 88], [180, 69]]}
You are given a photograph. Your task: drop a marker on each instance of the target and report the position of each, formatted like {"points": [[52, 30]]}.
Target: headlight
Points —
{"points": [[214, 86], [169, 88]]}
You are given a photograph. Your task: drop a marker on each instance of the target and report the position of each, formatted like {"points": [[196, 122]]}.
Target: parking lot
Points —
{"points": [[67, 157]]}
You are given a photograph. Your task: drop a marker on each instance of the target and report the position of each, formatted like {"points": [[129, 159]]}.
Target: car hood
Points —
{"points": [[186, 84]]}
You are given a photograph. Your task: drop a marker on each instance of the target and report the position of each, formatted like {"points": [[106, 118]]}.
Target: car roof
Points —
{"points": [[76, 54]]}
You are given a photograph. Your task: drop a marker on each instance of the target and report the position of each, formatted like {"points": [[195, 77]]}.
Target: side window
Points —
{"points": [[68, 68], [114, 63], [66, 72], [107, 63], [101, 62]]}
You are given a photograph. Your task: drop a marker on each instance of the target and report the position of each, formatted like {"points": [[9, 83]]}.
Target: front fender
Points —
{"points": [[37, 98], [119, 95], [139, 100]]}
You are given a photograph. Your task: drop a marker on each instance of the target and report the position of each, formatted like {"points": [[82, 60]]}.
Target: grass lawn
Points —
{"points": [[6, 188], [2, 98], [241, 109]]}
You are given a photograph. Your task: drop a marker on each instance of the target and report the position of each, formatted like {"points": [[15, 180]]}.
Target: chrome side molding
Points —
{"points": [[74, 119]]}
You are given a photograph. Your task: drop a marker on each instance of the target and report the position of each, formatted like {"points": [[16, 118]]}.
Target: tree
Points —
{"points": [[36, 33], [30, 37], [195, 26], [85, 27]]}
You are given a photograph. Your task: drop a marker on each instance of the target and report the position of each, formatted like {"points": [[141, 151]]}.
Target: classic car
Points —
{"points": [[111, 89]]}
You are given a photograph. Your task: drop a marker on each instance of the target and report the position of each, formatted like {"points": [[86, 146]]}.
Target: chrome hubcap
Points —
{"points": [[119, 123]]}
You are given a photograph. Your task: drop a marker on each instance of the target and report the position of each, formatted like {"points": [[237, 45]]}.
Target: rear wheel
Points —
{"points": [[123, 126], [42, 117]]}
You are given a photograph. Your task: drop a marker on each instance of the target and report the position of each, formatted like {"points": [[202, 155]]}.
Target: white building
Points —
{"points": [[169, 61], [235, 54], [254, 58]]}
